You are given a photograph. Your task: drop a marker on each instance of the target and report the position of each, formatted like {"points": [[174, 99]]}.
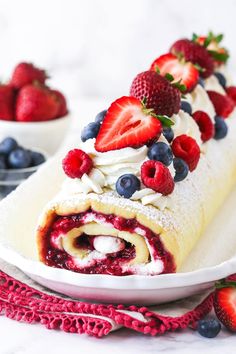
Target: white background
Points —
{"points": [[94, 48]]}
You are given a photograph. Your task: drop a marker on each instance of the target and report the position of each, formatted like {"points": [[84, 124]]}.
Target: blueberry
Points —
{"points": [[201, 82], [221, 128], [209, 328], [186, 107], [127, 184], [160, 152], [90, 131], [19, 158], [37, 158], [5, 190], [100, 116], [8, 145], [168, 134], [181, 169], [3, 164], [221, 78]]}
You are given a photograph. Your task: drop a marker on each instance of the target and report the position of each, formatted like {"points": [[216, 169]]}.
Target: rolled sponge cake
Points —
{"points": [[158, 240]]}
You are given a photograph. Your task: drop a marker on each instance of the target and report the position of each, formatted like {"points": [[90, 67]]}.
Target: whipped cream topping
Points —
{"points": [[184, 124], [200, 101], [212, 84]]}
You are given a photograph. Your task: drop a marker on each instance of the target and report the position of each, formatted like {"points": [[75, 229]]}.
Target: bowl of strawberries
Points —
{"points": [[32, 112]]}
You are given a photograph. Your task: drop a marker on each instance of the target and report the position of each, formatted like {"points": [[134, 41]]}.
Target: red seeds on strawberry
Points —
{"points": [[157, 176], [36, 103], [187, 149], [126, 124], [231, 92], [179, 69], [62, 109], [195, 53], [205, 125], [27, 73], [223, 104], [7, 104], [76, 163], [158, 92], [225, 303]]}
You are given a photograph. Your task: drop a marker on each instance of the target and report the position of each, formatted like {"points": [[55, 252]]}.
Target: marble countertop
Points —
{"points": [[19, 338]]}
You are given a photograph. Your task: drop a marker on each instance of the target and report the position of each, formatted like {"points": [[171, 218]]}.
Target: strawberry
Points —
{"points": [[205, 125], [195, 53], [212, 43], [156, 175], [62, 110], [179, 69], [223, 104], [77, 163], [7, 97], [36, 103], [27, 73], [187, 149], [225, 303], [160, 95], [126, 123], [231, 92]]}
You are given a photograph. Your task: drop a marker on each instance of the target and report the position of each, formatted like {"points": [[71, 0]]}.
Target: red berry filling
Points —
{"points": [[157, 176], [76, 163], [205, 125], [186, 148], [111, 263]]}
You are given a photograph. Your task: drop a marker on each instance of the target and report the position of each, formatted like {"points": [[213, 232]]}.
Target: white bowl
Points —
{"points": [[47, 135], [213, 258]]}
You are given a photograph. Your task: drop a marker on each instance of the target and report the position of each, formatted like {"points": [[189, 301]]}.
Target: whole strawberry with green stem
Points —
{"points": [[159, 93]]}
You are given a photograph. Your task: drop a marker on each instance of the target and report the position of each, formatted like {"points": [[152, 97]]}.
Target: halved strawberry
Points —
{"points": [[179, 69], [225, 303], [126, 123]]}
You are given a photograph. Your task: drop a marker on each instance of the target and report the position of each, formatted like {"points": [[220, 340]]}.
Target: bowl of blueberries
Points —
{"points": [[17, 164]]}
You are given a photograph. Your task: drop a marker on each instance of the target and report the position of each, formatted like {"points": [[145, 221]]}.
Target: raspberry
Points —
{"points": [[223, 104], [76, 163], [157, 176], [231, 92], [158, 92], [187, 149], [205, 125]]}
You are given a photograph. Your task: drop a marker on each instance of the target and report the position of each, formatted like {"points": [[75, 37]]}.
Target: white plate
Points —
{"points": [[213, 258]]}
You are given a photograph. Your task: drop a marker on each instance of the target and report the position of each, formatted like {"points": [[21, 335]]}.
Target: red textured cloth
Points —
{"points": [[23, 303]]}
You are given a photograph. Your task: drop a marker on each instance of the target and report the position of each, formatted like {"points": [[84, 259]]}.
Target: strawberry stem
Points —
{"points": [[169, 77], [219, 56], [165, 120], [181, 87], [225, 284]]}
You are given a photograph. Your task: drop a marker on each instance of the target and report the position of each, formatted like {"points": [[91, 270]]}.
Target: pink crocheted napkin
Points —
{"points": [[24, 303]]}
